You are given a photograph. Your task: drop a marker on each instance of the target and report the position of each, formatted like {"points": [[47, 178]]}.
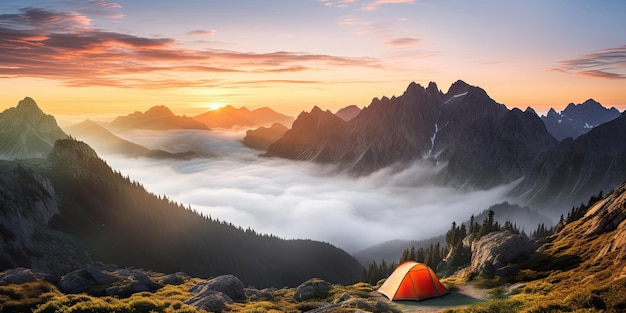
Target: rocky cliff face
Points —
{"points": [[262, 137], [27, 132], [481, 142], [578, 119]]}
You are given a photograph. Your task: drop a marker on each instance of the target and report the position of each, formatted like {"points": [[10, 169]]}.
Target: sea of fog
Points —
{"points": [[295, 199]]}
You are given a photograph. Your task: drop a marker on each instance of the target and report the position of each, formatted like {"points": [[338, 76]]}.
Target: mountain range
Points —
{"points": [[229, 117], [473, 140], [577, 119], [156, 118]]}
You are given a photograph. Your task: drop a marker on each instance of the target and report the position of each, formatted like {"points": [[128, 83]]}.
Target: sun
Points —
{"points": [[215, 106]]}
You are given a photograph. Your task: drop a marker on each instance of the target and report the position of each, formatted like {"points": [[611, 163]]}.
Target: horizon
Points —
{"points": [[115, 57]]}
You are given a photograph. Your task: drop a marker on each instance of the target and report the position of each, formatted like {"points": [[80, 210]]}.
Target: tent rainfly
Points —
{"points": [[412, 281]]}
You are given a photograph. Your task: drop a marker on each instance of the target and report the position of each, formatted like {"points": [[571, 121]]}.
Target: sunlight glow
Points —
{"points": [[215, 106]]}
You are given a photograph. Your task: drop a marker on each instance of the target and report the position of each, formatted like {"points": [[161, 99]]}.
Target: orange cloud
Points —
{"points": [[61, 46]]}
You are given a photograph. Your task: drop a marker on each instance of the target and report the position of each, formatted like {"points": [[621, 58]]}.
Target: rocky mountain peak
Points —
{"points": [[458, 87], [28, 107], [27, 132]]}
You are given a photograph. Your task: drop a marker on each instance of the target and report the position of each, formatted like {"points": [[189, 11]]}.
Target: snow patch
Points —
{"points": [[455, 96], [588, 126], [432, 140]]}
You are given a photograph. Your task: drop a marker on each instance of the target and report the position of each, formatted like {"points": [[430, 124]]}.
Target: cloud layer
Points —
{"points": [[299, 199]]}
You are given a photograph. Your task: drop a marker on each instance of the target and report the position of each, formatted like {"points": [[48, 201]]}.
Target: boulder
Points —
{"points": [[174, 279], [226, 284], [255, 294], [312, 288], [496, 250], [85, 280], [18, 275], [209, 300]]}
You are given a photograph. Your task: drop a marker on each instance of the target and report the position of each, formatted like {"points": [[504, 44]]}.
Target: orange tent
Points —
{"points": [[412, 281]]}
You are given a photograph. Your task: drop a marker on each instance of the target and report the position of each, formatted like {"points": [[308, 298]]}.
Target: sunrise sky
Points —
{"points": [[114, 57]]}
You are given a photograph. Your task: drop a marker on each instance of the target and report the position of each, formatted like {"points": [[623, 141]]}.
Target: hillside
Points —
{"points": [[262, 137], [103, 216]]}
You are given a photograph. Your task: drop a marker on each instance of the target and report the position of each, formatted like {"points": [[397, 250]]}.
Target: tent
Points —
{"points": [[412, 281]]}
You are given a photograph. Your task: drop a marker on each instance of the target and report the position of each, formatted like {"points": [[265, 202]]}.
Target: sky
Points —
{"points": [[101, 57]]}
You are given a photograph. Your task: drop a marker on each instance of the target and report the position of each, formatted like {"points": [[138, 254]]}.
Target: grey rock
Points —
{"points": [[138, 286], [312, 288], [18, 275], [344, 296], [174, 279], [209, 300], [496, 250], [85, 280], [112, 291], [256, 294], [226, 284]]}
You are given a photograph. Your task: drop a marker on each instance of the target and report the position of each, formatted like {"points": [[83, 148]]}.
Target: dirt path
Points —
{"points": [[464, 295]]}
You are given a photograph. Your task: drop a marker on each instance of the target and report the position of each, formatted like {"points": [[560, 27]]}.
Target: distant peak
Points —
{"points": [[160, 110], [458, 87], [316, 110], [530, 110], [591, 102], [432, 86], [28, 105]]}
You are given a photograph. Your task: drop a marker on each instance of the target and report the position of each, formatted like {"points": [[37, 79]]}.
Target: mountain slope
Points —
{"points": [[104, 141], [27, 132], [157, 118], [578, 169], [578, 119]]}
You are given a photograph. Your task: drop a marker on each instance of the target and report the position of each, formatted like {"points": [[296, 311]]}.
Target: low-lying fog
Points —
{"points": [[298, 199]]}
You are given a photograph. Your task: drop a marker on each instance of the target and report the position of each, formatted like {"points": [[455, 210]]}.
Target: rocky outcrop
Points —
{"points": [[27, 132], [18, 275], [493, 253], [226, 284], [262, 137], [312, 288], [27, 203], [577, 119], [85, 280]]}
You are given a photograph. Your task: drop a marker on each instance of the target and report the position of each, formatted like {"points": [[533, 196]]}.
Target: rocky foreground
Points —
{"points": [[136, 290]]}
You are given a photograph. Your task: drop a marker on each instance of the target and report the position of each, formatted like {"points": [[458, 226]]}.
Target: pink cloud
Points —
{"points": [[608, 63], [201, 32]]}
